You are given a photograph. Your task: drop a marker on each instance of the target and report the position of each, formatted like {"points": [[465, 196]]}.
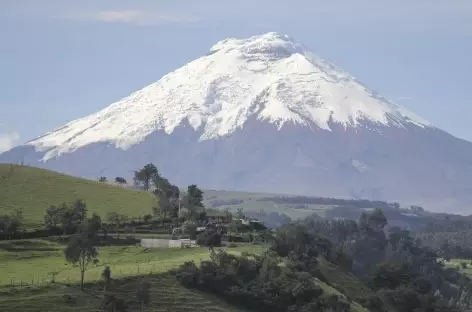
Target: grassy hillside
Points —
{"points": [[266, 207], [166, 295], [25, 282], [34, 190], [31, 261], [259, 202]]}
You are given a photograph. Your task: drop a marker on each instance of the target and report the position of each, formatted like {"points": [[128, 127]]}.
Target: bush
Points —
{"points": [[188, 274], [210, 239], [258, 283]]}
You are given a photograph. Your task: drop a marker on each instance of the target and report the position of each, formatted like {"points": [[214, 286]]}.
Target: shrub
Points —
{"points": [[210, 239]]}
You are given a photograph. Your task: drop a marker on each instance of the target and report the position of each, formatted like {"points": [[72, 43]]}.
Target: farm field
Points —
{"points": [[32, 262], [259, 202], [25, 279], [166, 295]]}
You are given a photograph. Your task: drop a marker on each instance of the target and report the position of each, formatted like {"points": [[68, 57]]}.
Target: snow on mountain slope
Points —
{"points": [[271, 77]]}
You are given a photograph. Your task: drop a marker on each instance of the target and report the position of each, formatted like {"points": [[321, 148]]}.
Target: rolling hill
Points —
{"points": [[34, 190], [40, 256]]}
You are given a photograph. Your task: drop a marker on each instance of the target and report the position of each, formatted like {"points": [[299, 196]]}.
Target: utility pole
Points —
{"points": [[178, 214]]}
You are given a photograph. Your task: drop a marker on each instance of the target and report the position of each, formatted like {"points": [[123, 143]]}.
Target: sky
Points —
{"points": [[61, 60]]}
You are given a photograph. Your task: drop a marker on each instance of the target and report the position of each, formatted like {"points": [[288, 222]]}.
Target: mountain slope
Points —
{"points": [[264, 114], [270, 77], [34, 190]]}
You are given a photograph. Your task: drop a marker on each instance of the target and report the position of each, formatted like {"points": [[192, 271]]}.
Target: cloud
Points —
{"points": [[134, 17], [405, 98], [7, 141], [404, 15]]}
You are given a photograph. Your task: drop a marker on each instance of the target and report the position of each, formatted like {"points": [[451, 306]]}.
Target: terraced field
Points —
{"points": [[166, 295]]}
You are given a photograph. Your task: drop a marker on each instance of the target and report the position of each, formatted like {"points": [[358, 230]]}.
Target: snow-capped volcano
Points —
{"points": [[271, 77], [263, 114]]}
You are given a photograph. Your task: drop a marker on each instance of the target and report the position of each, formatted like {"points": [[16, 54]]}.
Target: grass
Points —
{"points": [[456, 263], [166, 295], [34, 190], [30, 262], [254, 202], [329, 290], [344, 283], [25, 283]]}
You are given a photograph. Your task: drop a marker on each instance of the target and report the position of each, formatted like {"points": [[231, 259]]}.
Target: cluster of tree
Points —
{"points": [[118, 180], [358, 203], [260, 283], [405, 274], [116, 219], [396, 217], [69, 216], [210, 238], [450, 236], [447, 223], [170, 201], [449, 244], [11, 223]]}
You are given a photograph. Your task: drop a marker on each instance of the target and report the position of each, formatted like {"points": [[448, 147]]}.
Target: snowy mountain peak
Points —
{"points": [[270, 77], [273, 45]]}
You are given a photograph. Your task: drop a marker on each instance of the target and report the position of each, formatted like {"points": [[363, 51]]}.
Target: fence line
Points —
{"points": [[138, 270]]}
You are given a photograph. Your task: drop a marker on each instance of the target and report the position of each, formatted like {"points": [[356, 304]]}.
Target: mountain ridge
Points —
{"points": [[269, 76]]}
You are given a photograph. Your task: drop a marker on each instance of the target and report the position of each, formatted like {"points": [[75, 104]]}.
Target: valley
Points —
{"points": [[34, 267]]}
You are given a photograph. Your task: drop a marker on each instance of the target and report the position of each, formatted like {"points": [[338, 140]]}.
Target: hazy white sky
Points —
{"points": [[61, 59]]}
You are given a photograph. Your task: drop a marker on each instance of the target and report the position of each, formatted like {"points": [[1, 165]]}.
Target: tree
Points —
{"points": [[80, 251], [391, 275], [103, 179], [228, 215], [145, 175], [53, 217], [11, 223], [147, 218], [94, 225], [240, 214], [116, 219], [143, 294], [168, 196], [72, 215], [106, 277], [193, 200], [120, 180], [194, 196], [374, 220]]}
